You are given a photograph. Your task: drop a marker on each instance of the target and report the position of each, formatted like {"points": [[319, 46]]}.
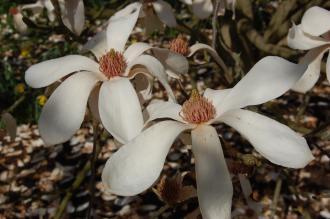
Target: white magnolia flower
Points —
{"points": [[137, 165], [204, 8], [312, 34], [18, 22], [175, 60], [117, 101], [38, 7], [72, 13], [155, 13]]}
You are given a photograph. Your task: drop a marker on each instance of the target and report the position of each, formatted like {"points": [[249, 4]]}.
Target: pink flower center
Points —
{"points": [[180, 45], [112, 64], [197, 109]]}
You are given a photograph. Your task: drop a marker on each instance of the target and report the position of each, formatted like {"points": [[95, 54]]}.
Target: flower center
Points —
{"points": [[179, 45], [197, 109], [112, 64]]}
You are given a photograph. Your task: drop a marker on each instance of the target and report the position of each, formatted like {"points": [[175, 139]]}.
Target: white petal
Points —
{"points": [[64, 112], [164, 12], [275, 141], [47, 72], [135, 50], [36, 8], [164, 109], [137, 165], [120, 109], [73, 15], [216, 97], [156, 69], [297, 39], [173, 61], [97, 44], [121, 25], [202, 8], [214, 187], [200, 46], [313, 58], [10, 124], [188, 2], [268, 79], [328, 67], [19, 24], [316, 21]]}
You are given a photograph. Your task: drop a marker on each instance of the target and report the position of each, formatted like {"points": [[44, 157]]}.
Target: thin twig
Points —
{"points": [[276, 196], [76, 184], [16, 104], [93, 169], [214, 23]]}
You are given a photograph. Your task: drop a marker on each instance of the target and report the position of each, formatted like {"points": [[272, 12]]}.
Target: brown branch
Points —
{"points": [[247, 29]]}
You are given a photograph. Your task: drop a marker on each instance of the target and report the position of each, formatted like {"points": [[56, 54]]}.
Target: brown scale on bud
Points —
{"points": [[197, 109], [112, 64], [180, 45], [172, 191]]}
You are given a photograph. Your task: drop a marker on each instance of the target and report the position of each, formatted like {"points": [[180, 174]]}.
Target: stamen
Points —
{"points": [[180, 45], [197, 109], [112, 64]]}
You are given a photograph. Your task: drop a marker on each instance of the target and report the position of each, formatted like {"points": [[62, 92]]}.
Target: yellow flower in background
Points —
{"points": [[25, 52], [20, 88], [41, 100]]}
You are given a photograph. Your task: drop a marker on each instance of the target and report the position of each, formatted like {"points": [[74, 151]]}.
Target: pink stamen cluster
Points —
{"points": [[112, 64], [180, 45], [197, 109]]}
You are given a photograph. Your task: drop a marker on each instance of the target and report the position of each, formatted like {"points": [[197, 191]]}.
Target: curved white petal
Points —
{"points": [[214, 187], [175, 62], [202, 8], [97, 44], [137, 165], [316, 21], [275, 141], [47, 72], [164, 109], [135, 50], [121, 25], [73, 15], [328, 67], [268, 79], [298, 39], [120, 109], [64, 112], [142, 82], [313, 58], [216, 96], [10, 124], [156, 69], [164, 12], [200, 46]]}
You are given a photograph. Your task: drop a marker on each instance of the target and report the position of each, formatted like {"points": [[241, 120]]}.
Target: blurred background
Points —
{"points": [[38, 181]]}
